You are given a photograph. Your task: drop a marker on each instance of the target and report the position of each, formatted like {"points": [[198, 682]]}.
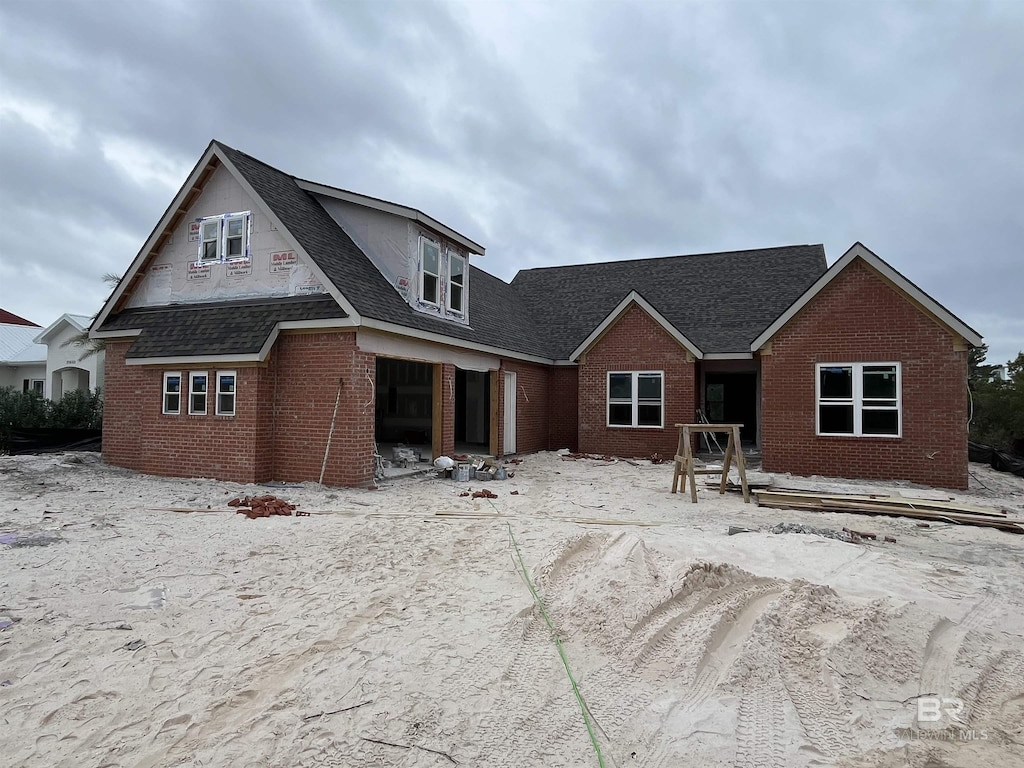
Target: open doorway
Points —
{"points": [[731, 398], [472, 411], [404, 412]]}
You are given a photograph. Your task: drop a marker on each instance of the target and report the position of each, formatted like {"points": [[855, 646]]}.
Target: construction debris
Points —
{"points": [[265, 506], [888, 505], [484, 494]]}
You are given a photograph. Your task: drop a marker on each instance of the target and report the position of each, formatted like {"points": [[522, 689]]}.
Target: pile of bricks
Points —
{"points": [[265, 506]]}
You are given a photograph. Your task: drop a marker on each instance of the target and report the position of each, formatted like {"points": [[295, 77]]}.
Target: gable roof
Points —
{"points": [[635, 298], [859, 251], [78, 322], [9, 318], [719, 301]]}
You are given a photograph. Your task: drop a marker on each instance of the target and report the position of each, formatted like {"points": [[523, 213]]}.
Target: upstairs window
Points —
{"points": [[859, 399], [224, 238], [456, 282], [635, 399], [431, 272], [225, 393], [172, 393], [197, 394]]}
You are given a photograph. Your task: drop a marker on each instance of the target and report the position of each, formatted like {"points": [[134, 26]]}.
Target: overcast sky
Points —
{"points": [[549, 132]]}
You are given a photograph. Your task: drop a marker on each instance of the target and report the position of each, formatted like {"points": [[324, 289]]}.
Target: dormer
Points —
{"points": [[425, 261]]}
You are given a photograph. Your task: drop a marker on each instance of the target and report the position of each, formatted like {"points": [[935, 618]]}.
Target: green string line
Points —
{"points": [[561, 650]]}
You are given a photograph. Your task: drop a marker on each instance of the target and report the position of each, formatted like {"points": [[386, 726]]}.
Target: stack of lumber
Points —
{"points": [[896, 506]]}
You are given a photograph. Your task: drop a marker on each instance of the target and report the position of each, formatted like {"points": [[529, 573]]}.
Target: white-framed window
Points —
{"points": [[456, 282], [172, 392], [224, 238], [197, 386], [235, 236], [209, 240], [636, 399], [859, 399], [430, 273], [226, 393]]}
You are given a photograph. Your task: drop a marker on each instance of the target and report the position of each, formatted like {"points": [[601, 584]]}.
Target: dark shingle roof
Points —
{"points": [[222, 328], [496, 316], [720, 301]]}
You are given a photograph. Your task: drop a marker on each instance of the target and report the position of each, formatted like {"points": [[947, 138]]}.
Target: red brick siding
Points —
{"points": [[634, 343], [532, 400], [563, 409], [858, 318], [137, 434], [307, 372], [282, 417], [123, 390], [447, 409]]}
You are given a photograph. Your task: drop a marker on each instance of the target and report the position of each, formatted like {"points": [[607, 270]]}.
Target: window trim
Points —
{"points": [[201, 255], [857, 400], [163, 404], [222, 220], [192, 376], [453, 255], [244, 218], [634, 399], [233, 393]]}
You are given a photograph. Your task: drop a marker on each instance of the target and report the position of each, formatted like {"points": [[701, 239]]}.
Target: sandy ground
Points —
{"points": [[146, 637]]}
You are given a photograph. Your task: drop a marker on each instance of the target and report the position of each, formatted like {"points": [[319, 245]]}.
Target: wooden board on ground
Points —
{"points": [[892, 506]]}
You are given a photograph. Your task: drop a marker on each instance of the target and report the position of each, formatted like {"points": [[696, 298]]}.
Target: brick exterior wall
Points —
{"points": [[533, 398], [635, 343], [281, 424], [563, 409], [861, 318]]}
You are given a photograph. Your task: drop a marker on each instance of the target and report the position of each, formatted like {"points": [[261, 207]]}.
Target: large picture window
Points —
{"points": [[636, 399], [859, 399]]}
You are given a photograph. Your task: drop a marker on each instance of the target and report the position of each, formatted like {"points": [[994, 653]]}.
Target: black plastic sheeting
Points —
{"points": [[998, 460], [45, 440]]}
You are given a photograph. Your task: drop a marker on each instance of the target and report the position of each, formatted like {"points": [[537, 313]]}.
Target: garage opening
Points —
{"points": [[472, 412], [403, 413]]}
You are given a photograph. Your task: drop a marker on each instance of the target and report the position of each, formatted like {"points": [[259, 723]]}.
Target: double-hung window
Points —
{"points": [[224, 238], [456, 281], [859, 399], [197, 383], [225, 393], [636, 399], [172, 392], [431, 273]]}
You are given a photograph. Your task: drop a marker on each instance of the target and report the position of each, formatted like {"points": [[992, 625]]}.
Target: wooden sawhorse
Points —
{"points": [[684, 458]]}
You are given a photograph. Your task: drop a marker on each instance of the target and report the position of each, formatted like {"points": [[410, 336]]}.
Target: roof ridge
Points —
{"points": [[648, 259]]}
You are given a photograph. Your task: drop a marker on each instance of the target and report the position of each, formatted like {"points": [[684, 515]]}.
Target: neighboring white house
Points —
{"points": [[34, 359], [68, 368], [22, 361]]}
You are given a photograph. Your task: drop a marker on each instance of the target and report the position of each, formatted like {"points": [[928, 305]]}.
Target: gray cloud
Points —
{"points": [[550, 134]]}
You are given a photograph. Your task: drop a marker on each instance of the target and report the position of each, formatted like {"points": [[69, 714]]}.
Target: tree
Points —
{"points": [[998, 412], [83, 341]]}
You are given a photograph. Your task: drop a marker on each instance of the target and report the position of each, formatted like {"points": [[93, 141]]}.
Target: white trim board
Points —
{"points": [[859, 251], [635, 298]]}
